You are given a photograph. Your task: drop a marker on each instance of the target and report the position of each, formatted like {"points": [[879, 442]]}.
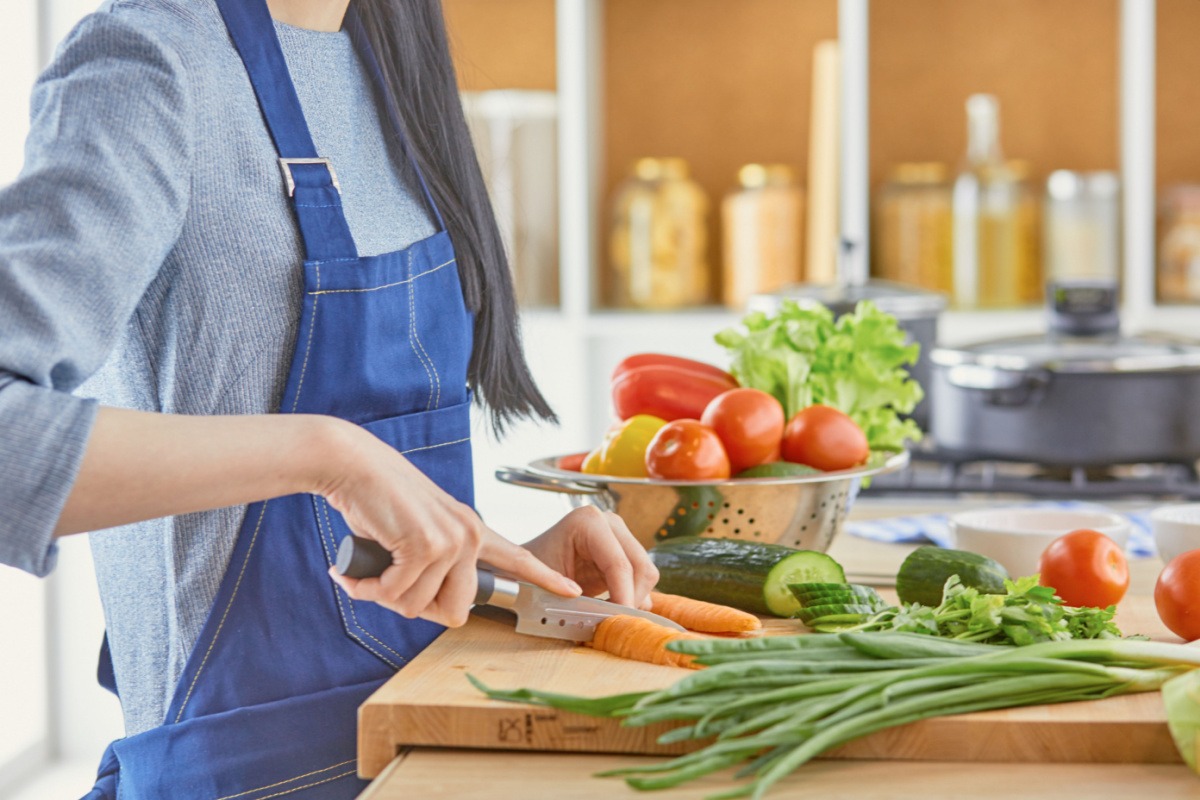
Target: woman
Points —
{"points": [[222, 215]]}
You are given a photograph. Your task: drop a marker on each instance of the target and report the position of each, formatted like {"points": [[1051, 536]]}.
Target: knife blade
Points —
{"points": [[539, 612]]}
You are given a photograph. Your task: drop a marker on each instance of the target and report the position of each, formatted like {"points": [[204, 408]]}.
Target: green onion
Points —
{"points": [[772, 709], [1181, 696]]}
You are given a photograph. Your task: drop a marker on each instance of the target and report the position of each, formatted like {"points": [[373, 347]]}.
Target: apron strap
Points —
{"points": [[309, 180], [358, 36]]}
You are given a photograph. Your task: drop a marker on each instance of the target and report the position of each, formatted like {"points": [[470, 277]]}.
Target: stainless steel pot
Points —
{"points": [[1082, 396]]}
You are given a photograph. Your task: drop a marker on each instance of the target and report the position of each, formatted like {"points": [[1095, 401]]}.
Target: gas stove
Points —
{"points": [[935, 472]]}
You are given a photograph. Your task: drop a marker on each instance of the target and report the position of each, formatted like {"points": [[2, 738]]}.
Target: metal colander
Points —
{"points": [[803, 511]]}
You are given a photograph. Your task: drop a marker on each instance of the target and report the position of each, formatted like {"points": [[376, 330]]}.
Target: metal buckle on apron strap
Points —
{"points": [[285, 164]]}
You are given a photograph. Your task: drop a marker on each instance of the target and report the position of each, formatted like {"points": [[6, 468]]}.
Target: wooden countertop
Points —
{"points": [[469, 774]]}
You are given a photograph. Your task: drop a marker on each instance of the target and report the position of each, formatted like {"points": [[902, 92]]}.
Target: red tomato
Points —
{"points": [[686, 450], [660, 360], [573, 462], [750, 424], [1177, 595], [824, 438], [666, 392], [1086, 568]]}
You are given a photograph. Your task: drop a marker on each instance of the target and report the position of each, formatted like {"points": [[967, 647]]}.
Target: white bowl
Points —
{"points": [[1176, 529], [1016, 537]]}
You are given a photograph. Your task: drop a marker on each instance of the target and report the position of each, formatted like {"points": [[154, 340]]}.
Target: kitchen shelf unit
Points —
{"points": [[1105, 98]]}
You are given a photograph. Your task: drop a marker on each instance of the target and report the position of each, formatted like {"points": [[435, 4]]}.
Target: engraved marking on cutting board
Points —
{"points": [[510, 729], [518, 730]]}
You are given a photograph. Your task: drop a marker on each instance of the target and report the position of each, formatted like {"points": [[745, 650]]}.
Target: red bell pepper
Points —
{"points": [[668, 389]]}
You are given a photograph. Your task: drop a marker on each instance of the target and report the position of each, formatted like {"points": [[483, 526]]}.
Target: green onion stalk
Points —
{"points": [[770, 705]]}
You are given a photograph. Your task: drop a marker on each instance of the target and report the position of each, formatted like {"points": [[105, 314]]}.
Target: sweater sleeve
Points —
{"points": [[85, 227]]}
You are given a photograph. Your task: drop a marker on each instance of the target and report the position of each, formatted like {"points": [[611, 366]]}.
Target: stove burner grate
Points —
{"points": [[937, 472]]}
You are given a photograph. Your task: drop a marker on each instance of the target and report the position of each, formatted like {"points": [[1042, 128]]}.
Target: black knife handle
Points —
{"points": [[365, 558], [362, 558]]}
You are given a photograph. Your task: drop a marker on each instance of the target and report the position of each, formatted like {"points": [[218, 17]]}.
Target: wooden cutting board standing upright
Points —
{"points": [[430, 702]]}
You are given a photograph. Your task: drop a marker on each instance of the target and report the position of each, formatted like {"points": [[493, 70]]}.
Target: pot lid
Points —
{"points": [[1149, 352], [901, 301]]}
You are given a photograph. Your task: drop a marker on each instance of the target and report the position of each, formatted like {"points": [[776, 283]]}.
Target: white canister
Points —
{"points": [[516, 138]]}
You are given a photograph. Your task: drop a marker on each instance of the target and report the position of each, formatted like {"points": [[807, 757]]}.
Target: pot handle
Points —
{"points": [[1002, 387], [519, 476]]}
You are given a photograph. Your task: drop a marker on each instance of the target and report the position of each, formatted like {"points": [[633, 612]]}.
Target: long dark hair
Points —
{"points": [[409, 39]]}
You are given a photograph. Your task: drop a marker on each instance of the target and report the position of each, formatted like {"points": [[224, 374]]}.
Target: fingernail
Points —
{"points": [[575, 587]]}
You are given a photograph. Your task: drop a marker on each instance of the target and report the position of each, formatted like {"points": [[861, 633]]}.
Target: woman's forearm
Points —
{"points": [[141, 465]]}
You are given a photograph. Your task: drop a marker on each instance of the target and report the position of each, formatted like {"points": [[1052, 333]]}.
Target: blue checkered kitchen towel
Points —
{"points": [[935, 528]]}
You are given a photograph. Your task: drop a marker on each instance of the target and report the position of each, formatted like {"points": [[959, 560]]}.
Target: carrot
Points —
{"points": [[641, 640], [697, 615]]}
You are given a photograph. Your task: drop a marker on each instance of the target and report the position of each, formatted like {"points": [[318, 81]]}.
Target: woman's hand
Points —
{"points": [[597, 549], [435, 541]]}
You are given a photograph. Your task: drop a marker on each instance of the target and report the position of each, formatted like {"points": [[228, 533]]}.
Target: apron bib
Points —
{"points": [[267, 704]]}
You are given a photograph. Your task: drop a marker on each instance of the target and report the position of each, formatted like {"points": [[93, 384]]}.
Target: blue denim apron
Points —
{"points": [[266, 706]]}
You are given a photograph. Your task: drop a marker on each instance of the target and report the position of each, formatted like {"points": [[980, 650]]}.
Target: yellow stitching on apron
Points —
{"points": [[307, 785], [224, 616], [434, 446], [353, 614], [412, 331], [312, 326], [412, 316], [338, 596], [289, 780], [386, 285]]}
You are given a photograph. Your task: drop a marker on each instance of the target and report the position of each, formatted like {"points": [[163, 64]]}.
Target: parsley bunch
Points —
{"points": [[1026, 614]]}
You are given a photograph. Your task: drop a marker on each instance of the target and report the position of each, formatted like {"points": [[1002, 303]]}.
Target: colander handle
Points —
{"points": [[519, 476]]}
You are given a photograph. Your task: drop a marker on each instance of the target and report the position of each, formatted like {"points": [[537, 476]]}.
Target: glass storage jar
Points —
{"points": [[1081, 236], [658, 243], [915, 220], [761, 230], [997, 262], [1179, 245]]}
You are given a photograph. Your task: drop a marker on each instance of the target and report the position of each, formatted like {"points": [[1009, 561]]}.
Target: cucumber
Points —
{"points": [[923, 574], [751, 576], [813, 594], [777, 469]]}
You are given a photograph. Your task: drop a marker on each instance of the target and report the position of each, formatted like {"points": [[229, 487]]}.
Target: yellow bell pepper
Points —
{"points": [[623, 453], [592, 462]]}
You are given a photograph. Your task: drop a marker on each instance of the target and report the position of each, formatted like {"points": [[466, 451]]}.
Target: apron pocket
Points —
{"points": [[302, 748], [439, 444]]}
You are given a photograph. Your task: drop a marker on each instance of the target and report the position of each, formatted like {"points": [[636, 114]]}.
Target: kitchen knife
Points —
{"points": [[539, 612]]}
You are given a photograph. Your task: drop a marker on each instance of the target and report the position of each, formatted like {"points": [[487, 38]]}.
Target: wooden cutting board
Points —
{"points": [[430, 703]]}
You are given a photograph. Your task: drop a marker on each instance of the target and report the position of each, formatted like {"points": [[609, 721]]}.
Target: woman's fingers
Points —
{"points": [[456, 595], [524, 565], [598, 540], [645, 574], [415, 601]]}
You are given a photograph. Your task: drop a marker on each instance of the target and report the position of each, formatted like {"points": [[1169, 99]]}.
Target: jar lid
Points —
{"points": [[920, 172], [1182, 196], [757, 176], [1065, 184], [655, 168], [1150, 352]]}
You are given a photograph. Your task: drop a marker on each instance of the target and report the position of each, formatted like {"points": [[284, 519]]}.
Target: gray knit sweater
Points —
{"points": [[149, 259]]}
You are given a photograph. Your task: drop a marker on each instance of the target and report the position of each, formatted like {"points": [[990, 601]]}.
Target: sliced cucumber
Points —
{"points": [[803, 566], [813, 613], [748, 575], [818, 594]]}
